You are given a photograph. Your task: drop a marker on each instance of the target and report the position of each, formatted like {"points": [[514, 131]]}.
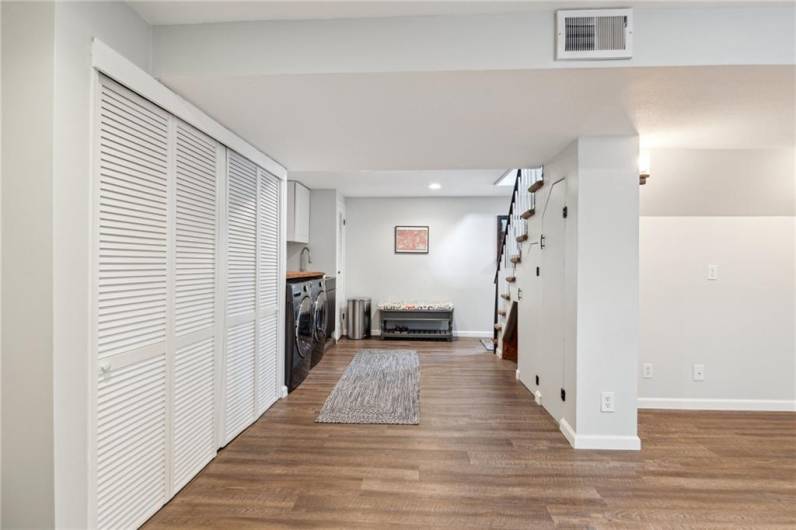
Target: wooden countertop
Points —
{"points": [[305, 275]]}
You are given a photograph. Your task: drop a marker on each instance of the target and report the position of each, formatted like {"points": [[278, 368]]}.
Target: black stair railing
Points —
{"points": [[500, 260]]}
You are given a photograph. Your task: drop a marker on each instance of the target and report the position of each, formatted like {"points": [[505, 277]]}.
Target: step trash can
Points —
{"points": [[358, 318]]}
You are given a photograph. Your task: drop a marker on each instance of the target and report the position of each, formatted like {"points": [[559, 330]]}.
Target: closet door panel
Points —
{"points": [[131, 307], [268, 245], [131, 301], [241, 236], [194, 412], [239, 405], [131, 448], [241, 295]]}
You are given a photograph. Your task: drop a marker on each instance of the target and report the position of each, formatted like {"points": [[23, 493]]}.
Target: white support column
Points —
{"points": [[607, 293]]}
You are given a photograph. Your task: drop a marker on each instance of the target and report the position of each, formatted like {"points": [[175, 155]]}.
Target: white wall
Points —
{"points": [[294, 256], [756, 35], [459, 268], [76, 24], [592, 295], [47, 80], [323, 231], [608, 288], [533, 359], [734, 210]]}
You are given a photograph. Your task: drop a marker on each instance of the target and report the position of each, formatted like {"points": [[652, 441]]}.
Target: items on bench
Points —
{"points": [[416, 320]]}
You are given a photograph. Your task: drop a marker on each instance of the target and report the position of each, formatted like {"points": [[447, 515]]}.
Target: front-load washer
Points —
{"points": [[320, 319], [299, 333]]}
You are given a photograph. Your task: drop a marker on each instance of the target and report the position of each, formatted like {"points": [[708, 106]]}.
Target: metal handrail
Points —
{"points": [[508, 224]]}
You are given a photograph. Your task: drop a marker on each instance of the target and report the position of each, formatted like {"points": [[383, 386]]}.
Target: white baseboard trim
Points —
{"points": [[473, 334], [283, 392], [761, 405], [517, 374], [537, 396], [598, 441], [462, 334], [567, 431]]}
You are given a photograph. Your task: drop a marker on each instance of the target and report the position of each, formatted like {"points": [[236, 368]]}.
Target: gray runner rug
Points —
{"points": [[379, 386]]}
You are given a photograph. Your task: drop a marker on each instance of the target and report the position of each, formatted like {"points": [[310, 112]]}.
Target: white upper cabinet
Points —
{"points": [[298, 212]]}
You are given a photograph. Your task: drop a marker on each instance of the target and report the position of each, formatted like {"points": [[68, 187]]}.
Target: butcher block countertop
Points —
{"points": [[306, 275]]}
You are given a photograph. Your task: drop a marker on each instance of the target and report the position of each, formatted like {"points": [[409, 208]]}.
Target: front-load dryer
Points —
{"points": [[299, 333], [320, 318]]}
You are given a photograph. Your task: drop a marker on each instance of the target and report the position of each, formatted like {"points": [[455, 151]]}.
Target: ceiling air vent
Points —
{"points": [[594, 34]]}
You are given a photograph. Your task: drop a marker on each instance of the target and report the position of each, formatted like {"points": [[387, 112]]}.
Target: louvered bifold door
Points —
{"points": [[131, 267], [198, 160], [268, 285], [241, 290]]}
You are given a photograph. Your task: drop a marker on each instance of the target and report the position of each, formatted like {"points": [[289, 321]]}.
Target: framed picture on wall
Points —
{"points": [[411, 240]]}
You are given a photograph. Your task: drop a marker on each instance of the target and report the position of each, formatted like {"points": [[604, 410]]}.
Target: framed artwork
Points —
{"points": [[411, 240]]}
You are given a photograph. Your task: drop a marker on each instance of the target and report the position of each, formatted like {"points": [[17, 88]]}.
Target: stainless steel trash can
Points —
{"points": [[358, 318]]}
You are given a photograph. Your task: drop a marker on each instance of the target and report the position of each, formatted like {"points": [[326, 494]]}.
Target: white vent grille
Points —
{"points": [[595, 34]]}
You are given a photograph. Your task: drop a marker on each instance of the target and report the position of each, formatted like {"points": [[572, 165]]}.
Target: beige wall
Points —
{"points": [[733, 209], [27, 268], [720, 182]]}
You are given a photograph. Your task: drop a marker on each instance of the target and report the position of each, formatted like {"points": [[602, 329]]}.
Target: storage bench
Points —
{"points": [[416, 321]]}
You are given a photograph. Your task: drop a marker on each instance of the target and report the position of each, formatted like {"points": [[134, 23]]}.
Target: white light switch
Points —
{"points": [[713, 272], [647, 370], [699, 372]]}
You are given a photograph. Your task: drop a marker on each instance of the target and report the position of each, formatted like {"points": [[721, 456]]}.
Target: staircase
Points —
{"points": [[523, 207]]}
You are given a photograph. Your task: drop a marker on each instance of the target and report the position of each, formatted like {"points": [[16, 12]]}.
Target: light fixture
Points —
{"points": [[643, 166], [644, 163], [434, 186], [507, 178]]}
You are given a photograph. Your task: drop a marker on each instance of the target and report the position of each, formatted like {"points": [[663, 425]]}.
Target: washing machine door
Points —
{"points": [[320, 317], [304, 328]]}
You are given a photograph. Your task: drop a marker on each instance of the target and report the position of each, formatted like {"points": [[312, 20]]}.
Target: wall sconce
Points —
{"points": [[643, 167]]}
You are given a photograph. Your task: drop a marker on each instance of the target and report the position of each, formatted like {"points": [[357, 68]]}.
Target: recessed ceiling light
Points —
{"points": [[434, 186]]}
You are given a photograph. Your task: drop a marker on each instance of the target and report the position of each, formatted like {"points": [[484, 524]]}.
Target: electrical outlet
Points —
{"points": [[713, 272], [699, 372], [607, 402], [647, 370]]}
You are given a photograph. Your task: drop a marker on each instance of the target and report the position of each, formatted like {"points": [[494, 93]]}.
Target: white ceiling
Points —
{"points": [[196, 12], [343, 123], [454, 183]]}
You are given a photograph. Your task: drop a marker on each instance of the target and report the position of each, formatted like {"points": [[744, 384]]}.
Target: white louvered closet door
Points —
{"points": [[131, 223], [198, 160], [241, 295], [268, 286]]}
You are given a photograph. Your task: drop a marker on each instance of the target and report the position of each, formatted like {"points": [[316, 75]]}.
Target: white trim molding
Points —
{"points": [[761, 405], [598, 441], [106, 60]]}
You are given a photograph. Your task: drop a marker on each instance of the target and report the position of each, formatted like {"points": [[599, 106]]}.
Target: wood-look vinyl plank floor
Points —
{"points": [[485, 456]]}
